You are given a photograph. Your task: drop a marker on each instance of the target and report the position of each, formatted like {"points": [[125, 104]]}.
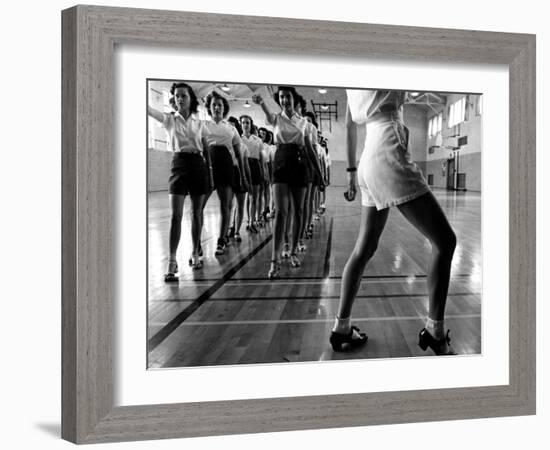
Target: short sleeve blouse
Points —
{"points": [[185, 135], [222, 134], [254, 145], [364, 103], [289, 130]]}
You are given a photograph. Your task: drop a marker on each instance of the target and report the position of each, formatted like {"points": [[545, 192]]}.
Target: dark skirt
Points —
{"points": [[238, 188], [188, 174], [255, 171], [222, 166], [290, 165]]}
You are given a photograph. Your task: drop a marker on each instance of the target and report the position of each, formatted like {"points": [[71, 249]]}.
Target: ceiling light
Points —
{"points": [[324, 107], [226, 88], [246, 104], [322, 91], [415, 94]]}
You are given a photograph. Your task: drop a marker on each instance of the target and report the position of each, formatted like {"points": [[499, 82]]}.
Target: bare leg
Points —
{"points": [[267, 197], [313, 203], [176, 206], [239, 212], [288, 220], [426, 215], [370, 230], [197, 205], [306, 211], [254, 203], [225, 194], [298, 196], [281, 199], [260, 205]]}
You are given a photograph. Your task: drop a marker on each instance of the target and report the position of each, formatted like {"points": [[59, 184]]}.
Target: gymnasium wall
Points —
{"points": [[416, 118], [469, 156]]}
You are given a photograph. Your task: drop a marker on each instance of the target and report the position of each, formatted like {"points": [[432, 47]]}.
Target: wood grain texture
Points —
{"points": [[89, 37]]}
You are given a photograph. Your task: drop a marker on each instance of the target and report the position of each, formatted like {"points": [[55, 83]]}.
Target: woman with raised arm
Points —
{"points": [[387, 177], [289, 169], [224, 144], [191, 172]]}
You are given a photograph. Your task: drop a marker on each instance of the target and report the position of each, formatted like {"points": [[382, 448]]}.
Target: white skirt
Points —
{"points": [[386, 175]]}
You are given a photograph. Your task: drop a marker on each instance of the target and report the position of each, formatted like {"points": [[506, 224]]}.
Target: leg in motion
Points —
{"points": [[281, 199], [197, 210], [225, 195], [426, 215], [176, 207], [298, 196], [370, 230]]}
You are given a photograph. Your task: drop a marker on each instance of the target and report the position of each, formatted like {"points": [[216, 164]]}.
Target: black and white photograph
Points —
{"points": [[292, 224]]}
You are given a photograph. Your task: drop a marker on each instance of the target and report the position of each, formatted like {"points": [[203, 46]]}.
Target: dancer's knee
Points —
{"points": [[447, 245], [176, 217], [365, 251]]}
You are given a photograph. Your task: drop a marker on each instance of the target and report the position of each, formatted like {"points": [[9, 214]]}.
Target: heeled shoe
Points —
{"points": [[274, 269], [286, 251], [230, 233], [220, 249], [439, 346], [199, 254], [339, 340], [196, 262], [170, 275], [294, 260], [301, 246], [237, 237]]}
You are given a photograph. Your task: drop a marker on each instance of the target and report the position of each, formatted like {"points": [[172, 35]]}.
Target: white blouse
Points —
{"points": [[254, 145], [222, 134], [364, 103], [184, 135], [289, 130]]}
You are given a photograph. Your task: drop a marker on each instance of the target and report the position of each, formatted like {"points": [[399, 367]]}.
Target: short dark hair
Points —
{"points": [[301, 102], [194, 107], [249, 118], [211, 97], [268, 135], [291, 89], [311, 115], [173, 103], [237, 124]]}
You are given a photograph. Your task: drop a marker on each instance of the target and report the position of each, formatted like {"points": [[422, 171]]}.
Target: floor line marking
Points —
{"points": [[324, 279], [285, 281], [166, 330], [298, 321], [320, 297]]}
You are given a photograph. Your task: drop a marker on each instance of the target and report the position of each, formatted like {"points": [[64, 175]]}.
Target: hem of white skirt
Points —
{"points": [[398, 201]]}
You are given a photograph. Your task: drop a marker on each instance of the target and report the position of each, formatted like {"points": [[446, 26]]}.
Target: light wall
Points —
{"points": [[416, 118], [469, 156]]}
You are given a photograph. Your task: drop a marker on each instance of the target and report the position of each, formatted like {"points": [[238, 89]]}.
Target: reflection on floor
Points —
{"points": [[229, 313]]}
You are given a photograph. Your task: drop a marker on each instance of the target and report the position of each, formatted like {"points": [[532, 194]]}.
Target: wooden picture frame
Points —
{"points": [[90, 34]]}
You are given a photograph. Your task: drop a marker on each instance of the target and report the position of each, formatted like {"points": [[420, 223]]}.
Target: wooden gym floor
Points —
{"points": [[229, 313]]}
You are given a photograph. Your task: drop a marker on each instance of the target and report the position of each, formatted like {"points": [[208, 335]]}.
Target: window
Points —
{"points": [[457, 112], [434, 125], [479, 105]]}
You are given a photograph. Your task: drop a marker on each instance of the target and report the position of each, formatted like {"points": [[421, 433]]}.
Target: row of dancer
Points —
{"points": [[296, 169], [386, 176], [231, 158]]}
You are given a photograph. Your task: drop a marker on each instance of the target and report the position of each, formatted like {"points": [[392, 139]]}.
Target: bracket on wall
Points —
{"points": [[325, 112]]}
